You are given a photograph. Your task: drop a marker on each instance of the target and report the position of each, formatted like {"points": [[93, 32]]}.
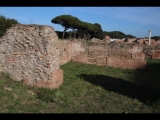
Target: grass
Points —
{"points": [[87, 89]]}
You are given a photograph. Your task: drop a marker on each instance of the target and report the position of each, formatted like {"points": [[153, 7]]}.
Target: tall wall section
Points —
{"points": [[30, 53]]}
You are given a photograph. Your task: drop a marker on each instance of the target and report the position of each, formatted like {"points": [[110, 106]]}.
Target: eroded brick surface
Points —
{"points": [[129, 56], [156, 54], [30, 53]]}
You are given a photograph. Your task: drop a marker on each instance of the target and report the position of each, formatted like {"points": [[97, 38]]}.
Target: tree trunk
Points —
{"points": [[74, 34], [88, 36], [85, 35], [64, 32]]}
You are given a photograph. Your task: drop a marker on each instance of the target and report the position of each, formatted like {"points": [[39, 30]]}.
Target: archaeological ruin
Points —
{"points": [[29, 53], [33, 54], [127, 56]]}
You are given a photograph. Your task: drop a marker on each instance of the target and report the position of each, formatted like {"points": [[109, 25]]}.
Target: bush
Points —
{"points": [[5, 23]]}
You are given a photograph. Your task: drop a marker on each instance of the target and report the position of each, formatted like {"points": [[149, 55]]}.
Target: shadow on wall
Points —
{"points": [[142, 88]]}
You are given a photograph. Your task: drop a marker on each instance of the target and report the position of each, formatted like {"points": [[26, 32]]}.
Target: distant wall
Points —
{"points": [[152, 51], [64, 47], [126, 56], [156, 54], [108, 54]]}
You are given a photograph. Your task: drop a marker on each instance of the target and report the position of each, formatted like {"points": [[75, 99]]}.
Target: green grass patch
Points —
{"points": [[87, 89]]}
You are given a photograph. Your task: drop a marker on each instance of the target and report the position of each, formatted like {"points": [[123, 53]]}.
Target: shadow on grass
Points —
{"points": [[150, 76], [145, 85]]}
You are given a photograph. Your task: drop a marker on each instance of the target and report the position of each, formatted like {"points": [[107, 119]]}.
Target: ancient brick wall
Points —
{"points": [[108, 54], [72, 50], [30, 53], [128, 56], [79, 51], [117, 55], [65, 51], [97, 54], [152, 51], [156, 54]]}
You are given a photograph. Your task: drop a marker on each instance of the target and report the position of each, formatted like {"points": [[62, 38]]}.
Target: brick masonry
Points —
{"points": [[107, 54], [33, 54], [152, 51], [30, 53]]}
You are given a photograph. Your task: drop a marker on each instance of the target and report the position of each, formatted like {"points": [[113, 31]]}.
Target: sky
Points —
{"points": [[136, 21]]}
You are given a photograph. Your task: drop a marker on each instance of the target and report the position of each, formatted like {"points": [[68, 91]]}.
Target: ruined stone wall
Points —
{"points": [[65, 51], [152, 51], [72, 50], [97, 54], [30, 53], [117, 55], [108, 54], [128, 56], [79, 51], [156, 54]]}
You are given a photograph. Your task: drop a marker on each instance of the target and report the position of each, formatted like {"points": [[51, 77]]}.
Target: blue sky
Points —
{"points": [[136, 21]]}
